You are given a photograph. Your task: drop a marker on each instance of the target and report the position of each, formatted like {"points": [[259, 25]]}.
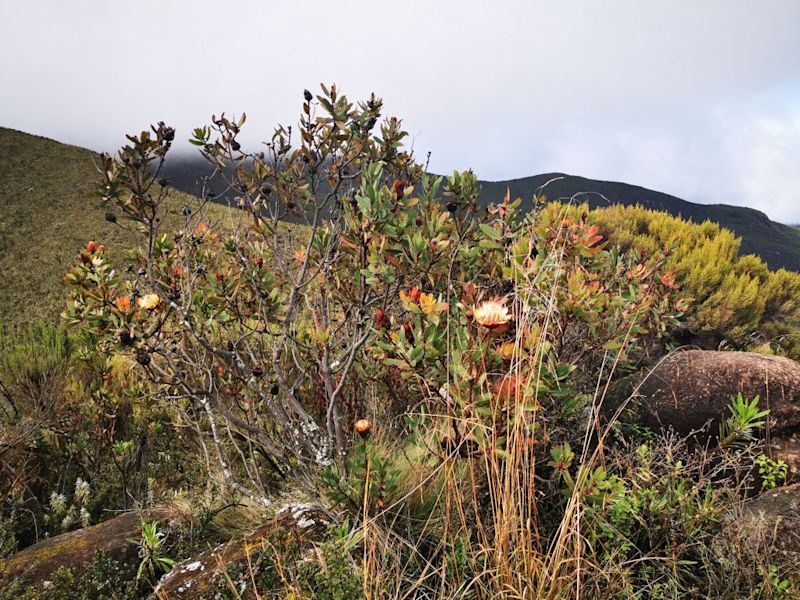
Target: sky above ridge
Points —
{"points": [[700, 99]]}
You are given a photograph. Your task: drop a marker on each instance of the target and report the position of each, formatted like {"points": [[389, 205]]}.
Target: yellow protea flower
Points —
{"points": [[492, 314], [148, 301]]}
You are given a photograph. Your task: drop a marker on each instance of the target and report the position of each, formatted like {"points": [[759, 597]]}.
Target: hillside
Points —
{"points": [[47, 213], [777, 244]]}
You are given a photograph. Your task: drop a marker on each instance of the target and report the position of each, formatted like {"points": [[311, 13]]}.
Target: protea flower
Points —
{"points": [[412, 297], [200, 229], [123, 303], [492, 314], [508, 388], [363, 427], [148, 301]]}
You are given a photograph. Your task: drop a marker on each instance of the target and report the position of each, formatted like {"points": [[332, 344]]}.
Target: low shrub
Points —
{"points": [[735, 299]]}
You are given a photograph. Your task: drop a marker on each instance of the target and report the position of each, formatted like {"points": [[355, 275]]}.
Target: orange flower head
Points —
{"points": [[412, 296], [123, 303], [363, 427], [91, 247], [668, 280], [492, 314], [508, 388]]}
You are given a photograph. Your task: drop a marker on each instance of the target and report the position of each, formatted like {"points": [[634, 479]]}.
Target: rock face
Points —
{"points": [[203, 575], [769, 525], [38, 562], [688, 389]]}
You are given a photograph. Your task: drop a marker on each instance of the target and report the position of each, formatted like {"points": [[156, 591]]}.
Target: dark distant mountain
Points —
{"points": [[777, 244]]}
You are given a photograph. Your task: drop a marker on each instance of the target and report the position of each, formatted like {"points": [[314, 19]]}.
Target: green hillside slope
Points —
{"points": [[47, 213]]}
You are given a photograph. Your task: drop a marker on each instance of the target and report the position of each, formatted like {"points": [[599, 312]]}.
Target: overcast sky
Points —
{"points": [[697, 98]]}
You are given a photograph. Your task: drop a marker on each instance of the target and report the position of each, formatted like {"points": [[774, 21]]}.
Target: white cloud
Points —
{"points": [[695, 98]]}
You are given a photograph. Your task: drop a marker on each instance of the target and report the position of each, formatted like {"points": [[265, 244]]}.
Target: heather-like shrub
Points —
{"points": [[78, 437], [734, 299]]}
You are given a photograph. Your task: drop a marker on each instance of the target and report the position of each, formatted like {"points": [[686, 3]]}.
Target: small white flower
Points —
{"points": [[85, 517], [82, 491]]}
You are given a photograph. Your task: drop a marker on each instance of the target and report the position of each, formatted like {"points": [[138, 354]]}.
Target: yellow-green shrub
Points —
{"points": [[734, 298]]}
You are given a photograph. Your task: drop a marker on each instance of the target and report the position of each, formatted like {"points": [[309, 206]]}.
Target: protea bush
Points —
{"points": [[367, 332]]}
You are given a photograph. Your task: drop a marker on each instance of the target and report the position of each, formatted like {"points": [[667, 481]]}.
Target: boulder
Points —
{"points": [[36, 564], [786, 447], [690, 389], [767, 526], [209, 572]]}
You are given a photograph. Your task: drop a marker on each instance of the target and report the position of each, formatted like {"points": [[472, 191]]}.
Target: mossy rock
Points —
{"points": [[234, 562], [37, 563]]}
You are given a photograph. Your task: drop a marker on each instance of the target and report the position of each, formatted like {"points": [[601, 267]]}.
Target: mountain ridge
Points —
{"points": [[777, 244]]}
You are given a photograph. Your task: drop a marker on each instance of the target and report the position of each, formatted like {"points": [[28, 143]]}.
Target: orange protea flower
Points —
{"points": [[91, 246], [492, 314], [148, 301], [363, 427], [200, 230], [123, 303], [668, 280]]}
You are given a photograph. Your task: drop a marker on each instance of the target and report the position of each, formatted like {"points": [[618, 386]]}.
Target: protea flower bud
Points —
{"points": [[363, 427]]}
